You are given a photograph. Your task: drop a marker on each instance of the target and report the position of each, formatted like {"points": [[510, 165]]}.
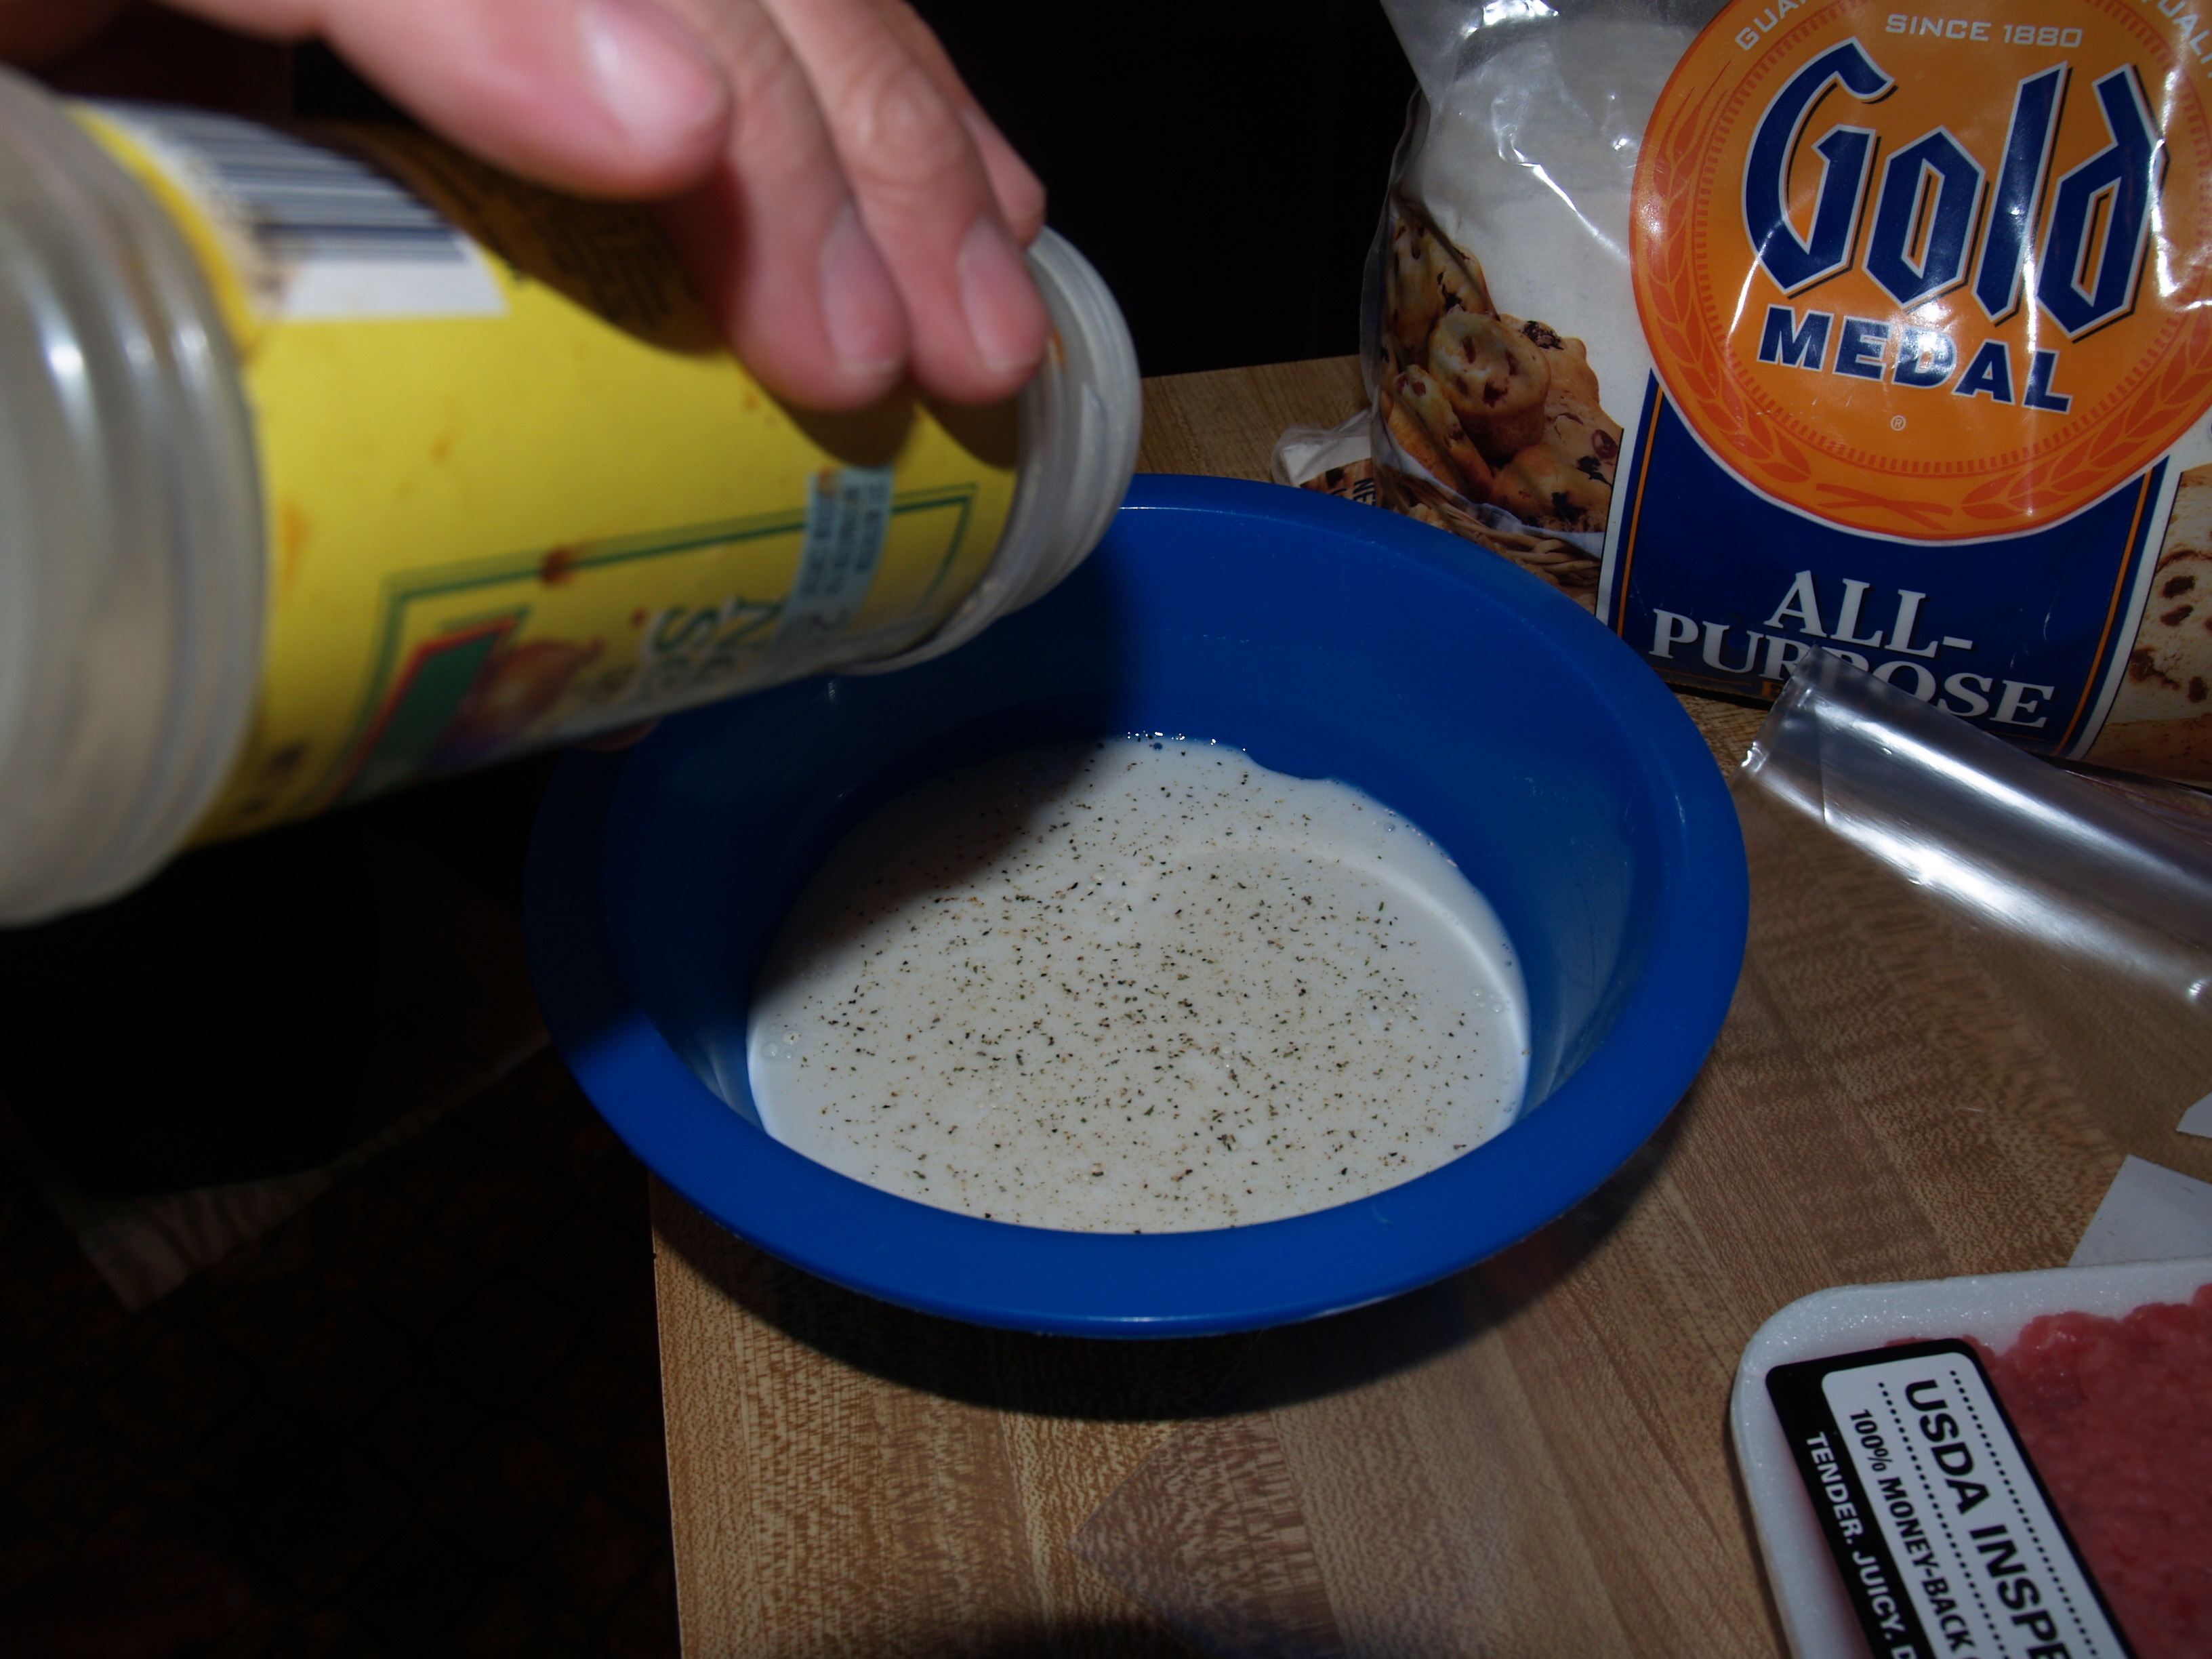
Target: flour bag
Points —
{"points": [[1802, 325]]}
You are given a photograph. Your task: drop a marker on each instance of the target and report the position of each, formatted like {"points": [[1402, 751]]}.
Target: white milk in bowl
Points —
{"points": [[1137, 986]]}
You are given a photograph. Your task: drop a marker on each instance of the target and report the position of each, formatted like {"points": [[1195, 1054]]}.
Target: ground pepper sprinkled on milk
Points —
{"points": [[1137, 986]]}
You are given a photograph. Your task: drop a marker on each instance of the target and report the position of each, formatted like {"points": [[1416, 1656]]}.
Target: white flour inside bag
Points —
{"points": [[1137, 986], [1531, 162]]}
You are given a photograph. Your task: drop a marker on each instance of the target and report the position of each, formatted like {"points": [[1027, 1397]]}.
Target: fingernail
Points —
{"points": [[860, 308], [653, 78], [1005, 318]]}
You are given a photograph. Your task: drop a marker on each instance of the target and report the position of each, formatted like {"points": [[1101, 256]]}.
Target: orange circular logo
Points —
{"points": [[1933, 276]]}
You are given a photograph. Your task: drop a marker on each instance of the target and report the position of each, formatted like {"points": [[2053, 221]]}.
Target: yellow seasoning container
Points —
{"points": [[332, 460]]}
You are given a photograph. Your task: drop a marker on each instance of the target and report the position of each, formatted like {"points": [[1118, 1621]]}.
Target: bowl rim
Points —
{"points": [[1183, 1284]]}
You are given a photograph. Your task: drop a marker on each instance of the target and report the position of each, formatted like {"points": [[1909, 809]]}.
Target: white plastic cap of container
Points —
{"points": [[130, 537], [1081, 418]]}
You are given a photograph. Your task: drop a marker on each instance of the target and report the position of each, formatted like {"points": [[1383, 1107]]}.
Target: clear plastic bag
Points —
{"points": [[2085, 913], [1504, 244], [1764, 329]]}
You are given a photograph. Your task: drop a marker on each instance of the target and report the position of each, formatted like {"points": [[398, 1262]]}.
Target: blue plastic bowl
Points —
{"points": [[1326, 639]]}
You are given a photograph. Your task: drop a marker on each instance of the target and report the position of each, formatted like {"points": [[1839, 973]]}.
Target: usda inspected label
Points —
{"points": [[1942, 1534]]}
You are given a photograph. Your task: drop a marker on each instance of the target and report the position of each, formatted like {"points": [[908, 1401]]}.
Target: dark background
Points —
{"points": [[1222, 165]]}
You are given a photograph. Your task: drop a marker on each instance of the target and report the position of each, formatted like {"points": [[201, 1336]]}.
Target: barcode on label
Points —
{"points": [[848, 512], [326, 235]]}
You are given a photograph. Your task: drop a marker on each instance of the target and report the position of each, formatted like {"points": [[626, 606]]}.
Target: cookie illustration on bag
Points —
{"points": [[2162, 716], [1494, 421]]}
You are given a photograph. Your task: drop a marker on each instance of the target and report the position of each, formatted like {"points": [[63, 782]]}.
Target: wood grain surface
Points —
{"points": [[1225, 424], [1529, 1458]]}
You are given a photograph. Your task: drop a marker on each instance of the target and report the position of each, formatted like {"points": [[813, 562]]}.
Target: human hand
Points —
{"points": [[845, 207]]}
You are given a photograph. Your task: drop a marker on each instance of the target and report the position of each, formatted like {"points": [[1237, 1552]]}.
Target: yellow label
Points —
{"points": [[516, 490]]}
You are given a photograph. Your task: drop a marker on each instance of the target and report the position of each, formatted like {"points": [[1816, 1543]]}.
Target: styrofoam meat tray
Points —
{"points": [[1993, 1308]]}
